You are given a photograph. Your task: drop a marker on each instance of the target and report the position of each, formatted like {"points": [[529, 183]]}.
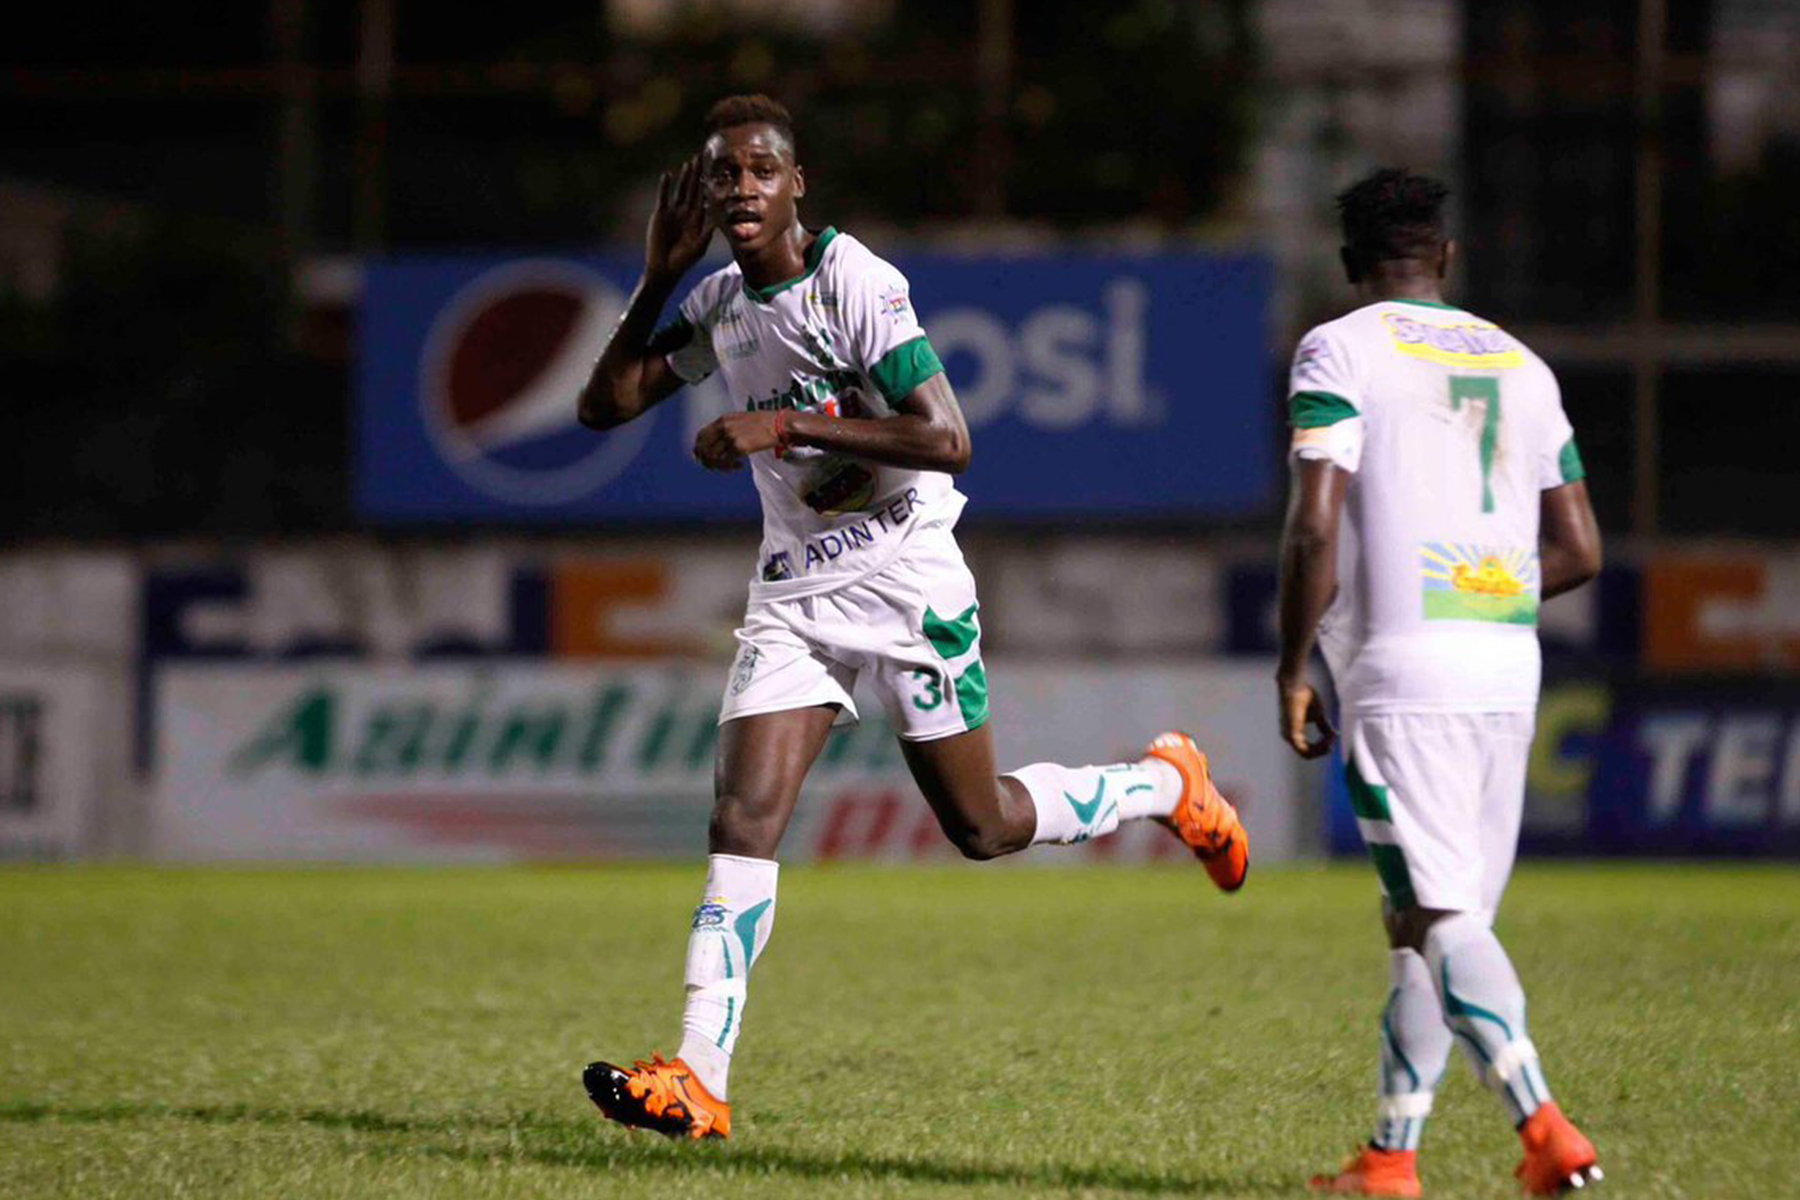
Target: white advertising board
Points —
{"points": [[613, 759], [50, 724]]}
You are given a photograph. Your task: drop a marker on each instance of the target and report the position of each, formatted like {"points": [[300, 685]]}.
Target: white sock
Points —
{"points": [[1415, 1045], [1485, 1006], [731, 927], [1075, 804]]}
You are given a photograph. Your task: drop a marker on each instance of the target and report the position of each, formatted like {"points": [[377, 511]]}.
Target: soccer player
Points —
{"points": [[852, 434], [1437, 498]]}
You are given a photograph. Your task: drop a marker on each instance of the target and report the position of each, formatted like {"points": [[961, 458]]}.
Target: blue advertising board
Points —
{"points": [[1109, 385], [1632, 767]]}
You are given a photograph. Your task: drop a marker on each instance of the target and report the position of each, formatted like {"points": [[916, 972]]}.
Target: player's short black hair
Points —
{"points": [[752, 109], [1393, 213]]}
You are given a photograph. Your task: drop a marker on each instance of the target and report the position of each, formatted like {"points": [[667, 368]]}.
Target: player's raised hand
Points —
{"points": [[1300, 707], [679, 228], [727, 442]]}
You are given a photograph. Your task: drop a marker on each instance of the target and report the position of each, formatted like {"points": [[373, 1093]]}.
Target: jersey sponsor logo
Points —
{"points": [[896, 303], [1467, 344], [498, 375], [734, 337], [1479, 583], [839, 486], [858, 535]]}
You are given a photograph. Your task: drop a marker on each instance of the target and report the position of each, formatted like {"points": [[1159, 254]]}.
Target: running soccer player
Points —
{"points": [[1439, 440], [851, 433]]}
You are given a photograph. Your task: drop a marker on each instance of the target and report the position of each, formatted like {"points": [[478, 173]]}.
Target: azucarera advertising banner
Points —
{"points": [[614, 759], [1093, 384]]}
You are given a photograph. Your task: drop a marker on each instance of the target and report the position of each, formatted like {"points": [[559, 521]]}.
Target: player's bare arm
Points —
{"points": [[1568, 538], [928, 434], [633, 374], [1308, 581]]}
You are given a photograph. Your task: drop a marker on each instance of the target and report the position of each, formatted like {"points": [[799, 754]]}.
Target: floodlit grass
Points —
{"points": [[955, 1032]]}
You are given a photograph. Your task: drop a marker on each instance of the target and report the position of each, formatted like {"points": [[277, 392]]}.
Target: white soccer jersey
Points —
{"points": [[842, 339], [1452, 428]]}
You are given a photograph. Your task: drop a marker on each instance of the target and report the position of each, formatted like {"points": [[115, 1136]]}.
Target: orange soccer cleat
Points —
{"points": [[1374, 1172], [1558, 1158], [664, 1097], [1204, 819]]}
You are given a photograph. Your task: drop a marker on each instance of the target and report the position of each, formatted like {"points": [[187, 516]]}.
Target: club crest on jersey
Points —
{"points": [[777, 567], [1478, 344], [896, 303], [1479, 583]]}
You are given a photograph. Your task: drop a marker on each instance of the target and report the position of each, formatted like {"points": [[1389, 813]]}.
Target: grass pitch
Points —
{"points": [[928, 1033]]}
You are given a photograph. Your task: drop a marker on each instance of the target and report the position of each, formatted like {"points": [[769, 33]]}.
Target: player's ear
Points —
{"points": [[1352, 271], [1446, 258], [799, 181]]}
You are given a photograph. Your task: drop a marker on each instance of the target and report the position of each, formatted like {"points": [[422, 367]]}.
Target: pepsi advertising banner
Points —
{"points": [[1121, 386]]}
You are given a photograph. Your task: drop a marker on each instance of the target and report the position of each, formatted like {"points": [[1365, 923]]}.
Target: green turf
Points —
{"points": [[980, 1032]]}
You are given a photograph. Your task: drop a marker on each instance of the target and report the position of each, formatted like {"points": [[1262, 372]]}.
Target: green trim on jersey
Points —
{"points": [[904, 368], [1315, 410], [1569, 461], [815, 254], [1424, 303]]}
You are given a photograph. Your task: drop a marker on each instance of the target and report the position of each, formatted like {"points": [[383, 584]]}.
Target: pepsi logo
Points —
{"points": [[502, 367]]}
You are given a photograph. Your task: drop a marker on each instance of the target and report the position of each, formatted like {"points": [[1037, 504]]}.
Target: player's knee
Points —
{"points": [[976, 844], [980, 843], [742, 826], [1408, 927]]}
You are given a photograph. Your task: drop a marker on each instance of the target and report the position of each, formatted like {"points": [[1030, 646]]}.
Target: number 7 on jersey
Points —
{"points": [[1467, 387]]}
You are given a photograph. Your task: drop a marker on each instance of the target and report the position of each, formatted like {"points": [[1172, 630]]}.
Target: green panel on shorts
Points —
{"points": [[971, 695], [1367, 800], [1396, 880], [952, 638]]}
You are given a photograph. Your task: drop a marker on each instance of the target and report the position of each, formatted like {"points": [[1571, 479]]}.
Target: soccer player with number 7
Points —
{"points": [[1437, 498], [852, 434]]}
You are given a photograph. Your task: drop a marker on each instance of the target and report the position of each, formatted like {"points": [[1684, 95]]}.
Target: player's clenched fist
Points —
{"points": [[1300, 707], [728, 441]]}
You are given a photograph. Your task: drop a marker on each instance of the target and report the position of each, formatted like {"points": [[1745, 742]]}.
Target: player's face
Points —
{"points": [[752, 184]]}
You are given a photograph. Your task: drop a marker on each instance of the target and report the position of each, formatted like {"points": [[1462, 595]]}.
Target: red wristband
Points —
{"points": [[782, 445]]}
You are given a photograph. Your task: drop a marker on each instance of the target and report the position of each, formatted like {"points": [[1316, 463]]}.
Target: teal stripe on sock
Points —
{"points": [[730, 1001], [746, 931], [1387, 1030], [730, 1011], [1458, 1007]]}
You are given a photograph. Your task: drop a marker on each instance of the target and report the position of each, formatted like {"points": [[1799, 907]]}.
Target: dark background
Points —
{"points": [[208, 170]]}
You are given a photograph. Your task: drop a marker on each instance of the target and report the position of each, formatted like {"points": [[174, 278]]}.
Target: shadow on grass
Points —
{"points": [[593, 1147]]}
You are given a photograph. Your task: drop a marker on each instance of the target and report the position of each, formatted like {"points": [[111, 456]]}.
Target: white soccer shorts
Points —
{"points": [[1438, 797], [913, 626]]}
